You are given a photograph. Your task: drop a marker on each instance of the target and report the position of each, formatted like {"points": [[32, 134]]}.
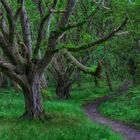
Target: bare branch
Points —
{"points": [[7, 8], [10, 17], [48, 18], [3, 27], [40, 33], [74, 25], [18, 12], [25, 24], [6, 65], [39, 6], [107, 8], [53, 36], [62, 23], [66, 15], [10, 70], [7, 51], [122, 33]]}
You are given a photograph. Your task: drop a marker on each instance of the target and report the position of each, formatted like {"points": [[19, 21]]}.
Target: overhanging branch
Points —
{"points": [[105, 38], [61, 31], [6, 65], [80, 66], [10, 70]]}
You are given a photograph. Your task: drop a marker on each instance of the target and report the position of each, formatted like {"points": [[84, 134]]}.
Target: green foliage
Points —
{"points": [[87, 38], [11, 104], [63, 45], [66, 122], [92, 69], [125, 108]]}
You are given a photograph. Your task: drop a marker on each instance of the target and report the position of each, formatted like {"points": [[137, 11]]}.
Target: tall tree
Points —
{"points": [[22, 63]]}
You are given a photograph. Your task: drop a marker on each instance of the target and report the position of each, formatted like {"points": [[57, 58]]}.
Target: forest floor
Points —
{"points": [[67, 121], [92, 111], [125, 108]]}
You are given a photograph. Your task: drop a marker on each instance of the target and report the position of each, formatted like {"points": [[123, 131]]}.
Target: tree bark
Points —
{"points": [[16, 86], [63, 89], [78, 79], [132, 70], [4, 81], [33, 104], [108, 79], [96, 80]]}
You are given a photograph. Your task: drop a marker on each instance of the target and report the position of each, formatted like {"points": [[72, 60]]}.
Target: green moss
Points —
{"points": [[92, 69], [63, 45]]}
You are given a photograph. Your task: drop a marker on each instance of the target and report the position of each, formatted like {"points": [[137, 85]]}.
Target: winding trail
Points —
{"points": [[126, 130]]}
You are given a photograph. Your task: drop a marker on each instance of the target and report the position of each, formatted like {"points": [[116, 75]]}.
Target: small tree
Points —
{"points": [[22, 63]]}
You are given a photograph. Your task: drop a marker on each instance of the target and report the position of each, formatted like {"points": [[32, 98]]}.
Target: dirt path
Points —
{"points": [[91, 110]]}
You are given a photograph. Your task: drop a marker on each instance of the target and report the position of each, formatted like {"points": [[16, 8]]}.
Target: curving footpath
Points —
{"points": [[126, 130]]}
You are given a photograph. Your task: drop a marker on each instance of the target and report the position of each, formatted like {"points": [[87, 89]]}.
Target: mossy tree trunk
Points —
{"points": [[32, 94], [63, 88]]}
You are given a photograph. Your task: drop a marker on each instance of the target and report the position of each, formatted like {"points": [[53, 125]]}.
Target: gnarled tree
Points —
{"points": [[63, 72], [24, 65]]}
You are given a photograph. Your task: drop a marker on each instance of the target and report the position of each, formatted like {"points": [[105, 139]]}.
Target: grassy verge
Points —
{"points": [[125, 107], [68, 121]]}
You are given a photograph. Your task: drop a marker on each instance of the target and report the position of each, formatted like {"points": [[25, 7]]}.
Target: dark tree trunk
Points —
{"points": [[33, 104], [96, 80], [78, 79], [108, 79], [63, 89], [132, 70]]}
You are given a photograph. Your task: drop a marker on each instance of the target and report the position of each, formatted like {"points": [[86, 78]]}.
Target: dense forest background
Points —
{"points": [[91, 20], [56, 56]]}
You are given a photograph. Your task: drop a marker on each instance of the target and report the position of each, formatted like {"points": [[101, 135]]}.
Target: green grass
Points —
{"points": [[68, 122], [125, 107]]}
